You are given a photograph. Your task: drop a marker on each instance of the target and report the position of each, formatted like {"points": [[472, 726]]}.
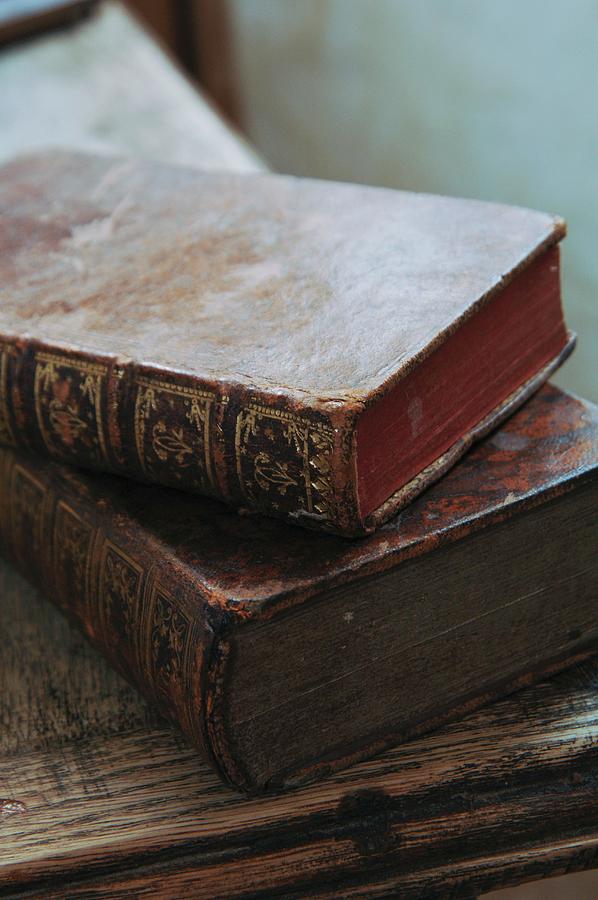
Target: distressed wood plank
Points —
{"points": [[506, 794], [53, 686]]}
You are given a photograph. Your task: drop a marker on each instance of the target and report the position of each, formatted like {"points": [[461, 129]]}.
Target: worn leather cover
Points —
{"points": [[158, 580], [222, 333]]}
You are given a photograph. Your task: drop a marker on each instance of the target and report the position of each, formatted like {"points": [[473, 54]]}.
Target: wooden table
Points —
{"points": [[100, 798]]}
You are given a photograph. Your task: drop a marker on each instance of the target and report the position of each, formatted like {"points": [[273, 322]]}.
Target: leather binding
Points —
{"points": [[223, 334], [172, 588]]}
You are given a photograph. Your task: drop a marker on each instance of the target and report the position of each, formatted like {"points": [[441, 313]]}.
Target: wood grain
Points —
{"points": [[53, 687], [507, 794], [99, 799]]}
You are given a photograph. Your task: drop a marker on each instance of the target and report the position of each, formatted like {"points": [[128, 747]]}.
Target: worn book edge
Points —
{"points": [[275, 448], [233, 446], [440, 466]]}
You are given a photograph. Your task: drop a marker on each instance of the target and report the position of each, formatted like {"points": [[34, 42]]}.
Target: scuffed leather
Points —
{"points": [[318, 289], [302, 298]]}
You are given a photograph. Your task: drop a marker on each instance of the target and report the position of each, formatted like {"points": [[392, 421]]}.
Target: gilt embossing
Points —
{"points": [[286, 461], [28, 497], [6, 432], [68, 404], [270, 471], [170, 629], [119, 596], [72, 544], [169, 443], [168, 451]]}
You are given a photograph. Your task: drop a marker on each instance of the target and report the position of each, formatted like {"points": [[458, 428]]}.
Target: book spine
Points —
{"points": [[250, 448], [139, 606]]}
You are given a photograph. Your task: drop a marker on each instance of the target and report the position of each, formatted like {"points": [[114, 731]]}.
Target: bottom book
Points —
{"points": [[283, 655]]}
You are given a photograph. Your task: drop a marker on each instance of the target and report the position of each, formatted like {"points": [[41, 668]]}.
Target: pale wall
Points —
{"points": [[496, 99]]}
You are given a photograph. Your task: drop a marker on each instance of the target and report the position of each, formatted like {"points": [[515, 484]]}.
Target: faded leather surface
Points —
{"points": [[221, 333], [325, 291]]}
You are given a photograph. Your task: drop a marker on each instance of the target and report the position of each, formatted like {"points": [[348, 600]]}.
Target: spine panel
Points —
{"points": [[139, 607], [234, 444]]}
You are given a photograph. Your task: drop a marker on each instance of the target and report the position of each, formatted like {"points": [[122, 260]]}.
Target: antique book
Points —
{"points": [[283, 655], [314, 351]]}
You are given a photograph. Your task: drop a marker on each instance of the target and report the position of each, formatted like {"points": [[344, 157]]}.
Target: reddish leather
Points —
{"points": [[424, 414]]}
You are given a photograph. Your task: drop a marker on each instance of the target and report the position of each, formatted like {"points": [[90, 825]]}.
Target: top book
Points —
{"points": [[311, 350]]}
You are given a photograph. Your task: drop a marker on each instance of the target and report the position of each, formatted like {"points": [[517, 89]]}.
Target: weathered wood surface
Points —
{"points": [[104, 798], [100, 798]]}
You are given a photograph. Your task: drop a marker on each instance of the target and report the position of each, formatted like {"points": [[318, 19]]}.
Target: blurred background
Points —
{"points": [[497, 101], [475, 98]]}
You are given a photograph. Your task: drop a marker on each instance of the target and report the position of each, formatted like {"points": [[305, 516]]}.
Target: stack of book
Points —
{"points": [[265, 358]]}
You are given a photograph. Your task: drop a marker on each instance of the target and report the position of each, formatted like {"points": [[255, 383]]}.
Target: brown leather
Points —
{"points": [[187, 324], [157, 579]]}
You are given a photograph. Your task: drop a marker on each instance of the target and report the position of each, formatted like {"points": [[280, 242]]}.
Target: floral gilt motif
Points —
{"points": [[120, 590], [168, 636], [28, 496], [172, 433], [6, 433], [170, 444], [272, 472], [66, 421], [68, 405], [284, 462], [71, 546]]}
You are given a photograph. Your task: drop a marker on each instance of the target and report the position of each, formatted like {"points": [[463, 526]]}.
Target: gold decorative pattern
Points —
{"points": [[28, 496], [170, 631], [6, 466], [285, 460], [172, 433], [68, 405], [6, 432], [119, 594], [72, 544], [119, 603]]}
